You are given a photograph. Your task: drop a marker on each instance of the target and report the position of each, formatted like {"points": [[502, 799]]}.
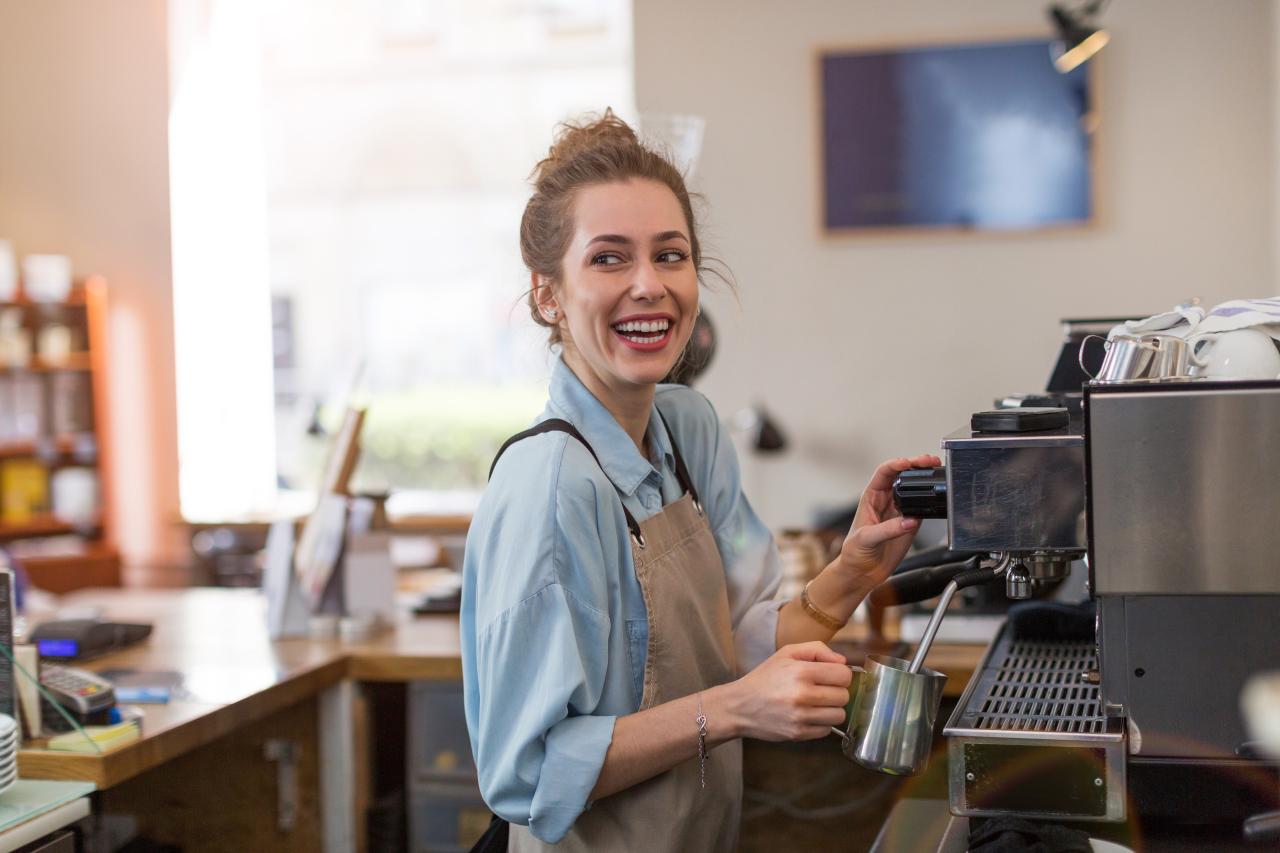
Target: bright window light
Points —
{"points": [[350, 177]]}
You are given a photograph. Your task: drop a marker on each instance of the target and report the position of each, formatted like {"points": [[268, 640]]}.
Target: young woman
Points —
{"points": [[620, 626]]}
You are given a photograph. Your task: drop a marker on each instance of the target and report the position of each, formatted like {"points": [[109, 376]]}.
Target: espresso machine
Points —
{"points": [[1168, 494]]}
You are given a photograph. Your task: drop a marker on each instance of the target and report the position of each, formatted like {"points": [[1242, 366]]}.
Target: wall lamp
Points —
{"points": [[1078, 36], [762, 431]]}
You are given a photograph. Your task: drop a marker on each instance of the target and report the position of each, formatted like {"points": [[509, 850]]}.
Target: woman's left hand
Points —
{"points": [[880, 536]]}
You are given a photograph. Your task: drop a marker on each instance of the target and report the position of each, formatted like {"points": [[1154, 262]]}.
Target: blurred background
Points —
{"points": [[225, 223], [300, 205]]}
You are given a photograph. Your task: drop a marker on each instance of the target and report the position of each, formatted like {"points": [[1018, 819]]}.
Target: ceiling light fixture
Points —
{"points": [[1078, 37]]}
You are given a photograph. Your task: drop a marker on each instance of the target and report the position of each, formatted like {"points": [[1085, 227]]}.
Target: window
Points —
{"points": [[394, 142]]}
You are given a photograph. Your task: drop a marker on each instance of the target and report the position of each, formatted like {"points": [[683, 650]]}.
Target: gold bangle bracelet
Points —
{"points": [[826, 620]]}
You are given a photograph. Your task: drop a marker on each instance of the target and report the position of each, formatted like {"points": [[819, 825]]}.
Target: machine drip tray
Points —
{"points": [[1039, 687], [1029, 737]]}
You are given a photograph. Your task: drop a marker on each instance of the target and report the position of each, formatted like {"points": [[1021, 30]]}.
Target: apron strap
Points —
{"points": [[682, 473], [559, 425]]}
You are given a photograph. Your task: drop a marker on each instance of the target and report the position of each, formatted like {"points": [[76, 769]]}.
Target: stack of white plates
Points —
{"points": [[8, 752]]}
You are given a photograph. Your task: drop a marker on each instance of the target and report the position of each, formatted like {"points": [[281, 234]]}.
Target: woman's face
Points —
{"points": [[629, 293]]}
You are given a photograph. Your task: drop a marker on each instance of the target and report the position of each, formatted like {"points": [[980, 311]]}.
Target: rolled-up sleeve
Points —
{"points": [[540, 668]]}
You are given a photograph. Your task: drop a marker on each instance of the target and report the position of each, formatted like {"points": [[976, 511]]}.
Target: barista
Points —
{"points": [[620, 625]]}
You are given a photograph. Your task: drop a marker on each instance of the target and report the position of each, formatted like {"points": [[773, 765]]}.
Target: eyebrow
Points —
{"points": [[626, 241]]}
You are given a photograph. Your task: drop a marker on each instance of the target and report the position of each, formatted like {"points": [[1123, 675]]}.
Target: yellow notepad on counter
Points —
{"points": [[107, 738]]}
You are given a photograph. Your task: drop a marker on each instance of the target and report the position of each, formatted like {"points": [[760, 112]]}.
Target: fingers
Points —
{"points": [[926, 460], [812, 651], [874, 535], [814, 732], [882, 479], [813, 724], [828, 674], [825, 716], [825, 696], [805, 687]]}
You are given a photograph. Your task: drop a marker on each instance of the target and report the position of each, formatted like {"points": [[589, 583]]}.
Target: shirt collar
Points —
{"points": [[621, 460]]}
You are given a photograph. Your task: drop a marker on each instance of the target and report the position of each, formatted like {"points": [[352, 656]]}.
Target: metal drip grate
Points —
{"points": [[1029, 737], [1037, 688]]}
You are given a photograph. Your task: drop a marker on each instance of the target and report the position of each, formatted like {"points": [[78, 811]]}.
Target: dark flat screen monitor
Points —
{"points": [[985, 136]]}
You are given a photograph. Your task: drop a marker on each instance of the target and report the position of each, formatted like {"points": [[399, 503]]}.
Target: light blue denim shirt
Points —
{"points": [[554, 627]]}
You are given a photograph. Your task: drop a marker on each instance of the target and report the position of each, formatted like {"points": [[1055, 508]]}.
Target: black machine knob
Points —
{"points": [[921, 493]]}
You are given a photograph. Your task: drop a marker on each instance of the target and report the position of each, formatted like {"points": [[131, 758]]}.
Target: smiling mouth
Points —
{"points": [[644, 333]]}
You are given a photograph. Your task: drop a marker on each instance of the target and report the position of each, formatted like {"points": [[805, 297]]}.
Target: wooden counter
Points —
{"points": [[246, 694], [217, 639]]}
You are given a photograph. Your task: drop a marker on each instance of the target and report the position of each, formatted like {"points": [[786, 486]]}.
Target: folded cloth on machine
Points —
{"points": [[1188, 319], [1180, 321], [1017, 835], [1262, 314]]}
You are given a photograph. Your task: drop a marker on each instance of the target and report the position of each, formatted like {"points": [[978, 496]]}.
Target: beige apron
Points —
{"points": [[690, 649]]}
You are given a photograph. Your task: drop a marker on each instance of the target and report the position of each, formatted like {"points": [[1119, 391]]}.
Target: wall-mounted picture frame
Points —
{"points": [[982, 136]]}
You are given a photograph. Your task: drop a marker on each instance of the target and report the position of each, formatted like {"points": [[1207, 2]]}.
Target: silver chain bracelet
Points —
{"points": [[701, 720]]}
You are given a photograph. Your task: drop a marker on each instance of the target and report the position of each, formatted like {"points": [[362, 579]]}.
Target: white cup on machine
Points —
{"points": [[1236, 354]]}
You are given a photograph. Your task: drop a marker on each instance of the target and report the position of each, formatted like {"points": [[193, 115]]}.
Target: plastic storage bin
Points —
{"points": [[439, 747], [445, 818]]}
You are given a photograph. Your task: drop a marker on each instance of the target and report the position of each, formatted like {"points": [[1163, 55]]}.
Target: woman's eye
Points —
{"points": [[606, 259], [671, 256]]}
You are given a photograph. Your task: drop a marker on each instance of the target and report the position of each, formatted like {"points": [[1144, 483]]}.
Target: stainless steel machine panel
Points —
{"points": [[1019, 493], [1183, 486], [1177, 665]]}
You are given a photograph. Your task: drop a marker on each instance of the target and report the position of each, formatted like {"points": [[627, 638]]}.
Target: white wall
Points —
{"points": [[84, 171], [875, 347]]}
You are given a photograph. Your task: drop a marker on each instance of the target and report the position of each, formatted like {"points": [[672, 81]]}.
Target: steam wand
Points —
{"points": [[972, 577]]}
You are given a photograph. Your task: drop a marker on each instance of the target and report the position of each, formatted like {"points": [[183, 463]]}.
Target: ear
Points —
{"points": [[544, 296]]}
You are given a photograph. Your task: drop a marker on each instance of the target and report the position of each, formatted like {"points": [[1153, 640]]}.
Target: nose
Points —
{"points": [[647, 285]]}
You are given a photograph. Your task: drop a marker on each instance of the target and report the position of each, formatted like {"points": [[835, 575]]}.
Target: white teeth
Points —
{"points": [[645, 326], [643, 331]]}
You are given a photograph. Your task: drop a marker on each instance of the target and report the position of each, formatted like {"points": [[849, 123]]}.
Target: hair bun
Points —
{"points": [[574, 138]]}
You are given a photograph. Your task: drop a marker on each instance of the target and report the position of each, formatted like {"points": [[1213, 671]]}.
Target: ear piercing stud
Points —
{"points": [[551, 313]]}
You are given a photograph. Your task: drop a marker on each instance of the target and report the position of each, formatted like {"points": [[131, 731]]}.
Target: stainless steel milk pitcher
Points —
{"points": [[890, 715]]}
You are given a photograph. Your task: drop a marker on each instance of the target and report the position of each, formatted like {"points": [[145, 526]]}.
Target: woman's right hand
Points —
{"points": [[799, 693]]}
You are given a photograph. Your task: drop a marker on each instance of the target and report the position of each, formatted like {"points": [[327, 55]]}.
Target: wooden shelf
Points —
{"points": [[42, 525], [18, 449], [75, 362], [63, 445], [80, 361], [78, 297], [69, 393]]}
